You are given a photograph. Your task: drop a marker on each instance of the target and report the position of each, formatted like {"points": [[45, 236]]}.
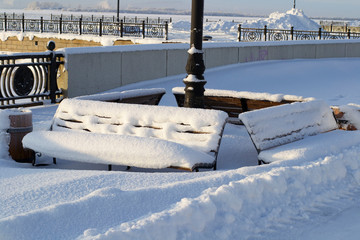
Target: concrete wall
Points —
{"points": [[95, 69]]}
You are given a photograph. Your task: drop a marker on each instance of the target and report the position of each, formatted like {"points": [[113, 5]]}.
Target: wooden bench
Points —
{"points": [[148, 96], [235, 102], [133, 135], [296, 131]]}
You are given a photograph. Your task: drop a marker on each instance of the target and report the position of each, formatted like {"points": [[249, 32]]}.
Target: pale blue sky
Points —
{"points": [[312, 8]]}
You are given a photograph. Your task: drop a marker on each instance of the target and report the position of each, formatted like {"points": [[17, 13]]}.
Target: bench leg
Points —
{"points": [[33, 158]]}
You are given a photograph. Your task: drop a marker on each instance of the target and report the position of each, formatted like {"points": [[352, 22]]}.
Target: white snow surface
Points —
{"points": [[294, 199], [316, 196]]}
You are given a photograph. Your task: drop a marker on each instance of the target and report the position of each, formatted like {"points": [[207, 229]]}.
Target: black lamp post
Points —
{"points": [[195, 67], [294, 3], [118, 10]]}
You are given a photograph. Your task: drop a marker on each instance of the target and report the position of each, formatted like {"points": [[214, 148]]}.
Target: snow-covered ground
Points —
{"points": [[315, 198], [284, 200]]}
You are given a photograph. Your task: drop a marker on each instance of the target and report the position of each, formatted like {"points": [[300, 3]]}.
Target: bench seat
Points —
{"points": [[312, 147]]}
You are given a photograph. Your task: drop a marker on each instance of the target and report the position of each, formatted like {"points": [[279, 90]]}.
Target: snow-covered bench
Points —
{"points": [[306, 130], [236, 102], [148, 96], [134, 135]]}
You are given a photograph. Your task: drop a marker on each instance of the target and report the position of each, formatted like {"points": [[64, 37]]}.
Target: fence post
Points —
{"points": [[80, 25], [23, 23], [265, 33], [100, 27], [60, 24], [121, 28], [319, 33], [239, 33], [143, 29], [166, 31], [41, 24], [5, 22], [52, 71], [292, 33]]}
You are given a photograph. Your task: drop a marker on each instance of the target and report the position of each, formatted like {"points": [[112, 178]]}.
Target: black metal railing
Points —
{"points": [[29, 78], [80, 26], [126, 19], [265, 34]]}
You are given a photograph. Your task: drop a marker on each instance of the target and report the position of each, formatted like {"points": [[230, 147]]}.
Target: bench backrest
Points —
{"points": [[149, 96], [236, 102], [197, 128], [274, 126]]}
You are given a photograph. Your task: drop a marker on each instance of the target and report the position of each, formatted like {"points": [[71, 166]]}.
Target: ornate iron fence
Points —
{"points": [[61, 26], [29, 79], [265, 34], [126, 19]]}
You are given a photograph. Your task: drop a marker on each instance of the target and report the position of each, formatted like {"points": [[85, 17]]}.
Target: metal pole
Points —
{"points": [[294, 3], [118, 10], [195, 67]]}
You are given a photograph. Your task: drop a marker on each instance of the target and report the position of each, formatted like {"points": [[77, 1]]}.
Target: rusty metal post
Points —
{"points": [[195, 67]]}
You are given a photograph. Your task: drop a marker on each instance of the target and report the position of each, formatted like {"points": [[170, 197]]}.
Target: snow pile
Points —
{"points": [[115, 149], [248, 207], [292, 18]]}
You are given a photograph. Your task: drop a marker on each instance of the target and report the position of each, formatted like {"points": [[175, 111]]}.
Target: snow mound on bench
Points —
{"points": [[274, 126], [115, 149], [312, 148]]}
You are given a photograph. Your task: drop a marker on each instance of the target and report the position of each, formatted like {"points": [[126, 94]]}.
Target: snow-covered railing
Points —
{"points": [[266, 34], [27, 79], [81, 26]]}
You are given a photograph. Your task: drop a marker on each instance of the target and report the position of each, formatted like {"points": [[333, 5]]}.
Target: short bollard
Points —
{"points": [[20, 125]]}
